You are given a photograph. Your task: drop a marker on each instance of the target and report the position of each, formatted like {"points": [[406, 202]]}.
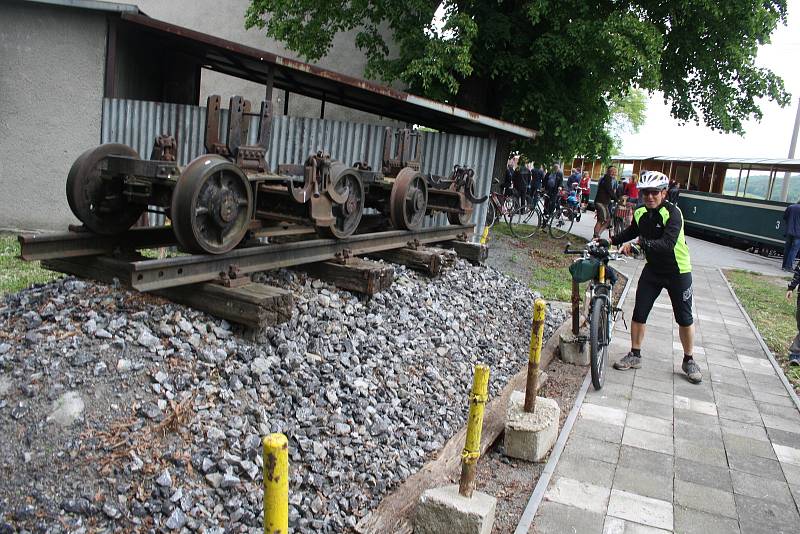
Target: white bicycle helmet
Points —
{"points": [[653, 180]]}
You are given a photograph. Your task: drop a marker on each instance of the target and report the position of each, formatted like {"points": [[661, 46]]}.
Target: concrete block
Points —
{"points": [[530, 436], [573, 350], [445, 510]]}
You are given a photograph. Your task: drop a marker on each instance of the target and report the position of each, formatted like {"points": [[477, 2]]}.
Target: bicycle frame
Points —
{"points": [[605, 296]]}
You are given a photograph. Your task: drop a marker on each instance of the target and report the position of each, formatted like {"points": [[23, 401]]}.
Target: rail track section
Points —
{"points": [[106, 257]]}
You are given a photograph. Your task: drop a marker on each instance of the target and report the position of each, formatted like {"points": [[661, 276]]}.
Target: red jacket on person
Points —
{"points": [[631, 190]]}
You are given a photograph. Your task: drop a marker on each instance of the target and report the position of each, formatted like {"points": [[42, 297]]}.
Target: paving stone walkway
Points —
{"points": [[652, 452]]}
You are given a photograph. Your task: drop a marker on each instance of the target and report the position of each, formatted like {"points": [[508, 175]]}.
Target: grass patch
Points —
{"points": [[16, 274], [764, 299], [538, 261]]}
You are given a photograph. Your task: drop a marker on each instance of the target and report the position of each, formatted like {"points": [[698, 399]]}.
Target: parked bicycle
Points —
{"points": [[528, 216], [500, 204], [592, 267], [566, 212]]}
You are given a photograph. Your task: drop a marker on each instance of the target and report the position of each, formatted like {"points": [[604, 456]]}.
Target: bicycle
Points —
{"points": [[527, 217], [591, 267], [561, 221], [619, 213], [500, 205]]}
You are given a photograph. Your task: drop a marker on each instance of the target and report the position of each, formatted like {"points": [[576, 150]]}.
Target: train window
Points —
{"points": [[794, 186], [731, 184], [757, 184]]}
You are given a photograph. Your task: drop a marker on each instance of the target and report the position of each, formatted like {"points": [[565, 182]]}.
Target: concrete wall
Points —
{"points": [[51, 91], [226, 20]]}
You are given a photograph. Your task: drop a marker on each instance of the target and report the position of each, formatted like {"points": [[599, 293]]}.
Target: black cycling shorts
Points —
{"points": [[679, 288]]}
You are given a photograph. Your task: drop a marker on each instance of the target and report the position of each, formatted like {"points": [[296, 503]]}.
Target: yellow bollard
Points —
{"points": [[472, 446], [276, 484], [485, 236], [534, 356]]}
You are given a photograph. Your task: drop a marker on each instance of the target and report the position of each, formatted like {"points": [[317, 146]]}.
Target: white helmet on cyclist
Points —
{"points": [[653, 180]]}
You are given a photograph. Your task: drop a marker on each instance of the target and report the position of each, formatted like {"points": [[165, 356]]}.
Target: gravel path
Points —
{"points": [[123, 412]]}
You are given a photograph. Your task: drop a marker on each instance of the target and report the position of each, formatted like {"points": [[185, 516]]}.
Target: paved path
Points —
{"points": [[652, 452], [704, 253]]}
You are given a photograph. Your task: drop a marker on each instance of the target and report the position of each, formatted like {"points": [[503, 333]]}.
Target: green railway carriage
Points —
{"points": [[757, 222], [738, 199]]}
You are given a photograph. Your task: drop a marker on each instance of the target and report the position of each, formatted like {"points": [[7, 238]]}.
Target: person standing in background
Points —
{"points": [[673, 192], [794, 349], [632, 190], [585, 189], [553, 182], [792, 231], [574, 178], [537, 182], [511, 166], [522, 180]]}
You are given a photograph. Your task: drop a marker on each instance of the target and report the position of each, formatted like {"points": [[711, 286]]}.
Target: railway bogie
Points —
{"points": [[215, 200]]}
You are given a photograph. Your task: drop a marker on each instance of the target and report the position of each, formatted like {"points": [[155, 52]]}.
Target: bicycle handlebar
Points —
{"points": [[599, 250]]}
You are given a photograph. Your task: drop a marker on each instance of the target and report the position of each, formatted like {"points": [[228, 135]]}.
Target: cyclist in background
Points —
{"points": [[605, 194], [659, 226]]}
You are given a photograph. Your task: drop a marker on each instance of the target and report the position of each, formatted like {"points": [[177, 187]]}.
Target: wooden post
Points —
{"points": [[472, 446], [534, 356], [276, 484]]}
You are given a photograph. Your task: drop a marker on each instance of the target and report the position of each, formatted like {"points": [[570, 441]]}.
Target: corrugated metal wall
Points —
{"points": [[137, 123]]}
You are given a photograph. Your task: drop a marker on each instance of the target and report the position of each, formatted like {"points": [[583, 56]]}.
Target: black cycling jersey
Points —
{"points": [[660, 233]]}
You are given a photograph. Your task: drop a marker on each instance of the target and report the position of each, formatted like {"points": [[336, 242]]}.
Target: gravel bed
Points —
{"points": [[122, 412]]}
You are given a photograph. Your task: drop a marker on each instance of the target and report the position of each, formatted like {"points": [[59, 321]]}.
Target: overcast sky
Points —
{"points": [[769, 138]]}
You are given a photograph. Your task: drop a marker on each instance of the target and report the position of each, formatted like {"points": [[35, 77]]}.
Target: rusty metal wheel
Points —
{"points": [[459, 218], [467, 200], [347, 202], [212, 205], [99, 203], [408, 200]]}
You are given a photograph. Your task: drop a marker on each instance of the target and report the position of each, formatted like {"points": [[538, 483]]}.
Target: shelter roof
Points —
{"points": [[301, 78]]}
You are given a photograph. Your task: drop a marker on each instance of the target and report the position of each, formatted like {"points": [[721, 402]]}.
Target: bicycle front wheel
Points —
{"points": [[598, 342], [618, 226], [561, 223], [523, 222]]}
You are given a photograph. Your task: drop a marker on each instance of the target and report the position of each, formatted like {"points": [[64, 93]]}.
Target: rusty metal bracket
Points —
{"points": [[164, 148], [343, 257], [212, 142], [414, 243], [406, 151], [232, 277]]}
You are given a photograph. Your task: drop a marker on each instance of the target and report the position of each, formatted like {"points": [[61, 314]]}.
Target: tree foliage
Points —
{"points": [[628, 114], [559, 66]]}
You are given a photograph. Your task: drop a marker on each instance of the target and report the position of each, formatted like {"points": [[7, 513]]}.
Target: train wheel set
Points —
{"points": [[220, 197]]}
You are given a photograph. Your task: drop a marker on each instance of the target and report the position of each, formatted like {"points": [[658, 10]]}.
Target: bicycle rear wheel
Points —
{"points": [[598, 344], [491, 213], [561, 223]]}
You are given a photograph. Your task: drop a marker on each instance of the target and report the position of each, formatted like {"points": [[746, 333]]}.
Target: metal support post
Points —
{"points": [[276, 484], [472, 446], [485, 235], [535, 354]]}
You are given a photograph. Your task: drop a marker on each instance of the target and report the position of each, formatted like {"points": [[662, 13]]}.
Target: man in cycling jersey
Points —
{"points": [[605, 194], [659, 226]]}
